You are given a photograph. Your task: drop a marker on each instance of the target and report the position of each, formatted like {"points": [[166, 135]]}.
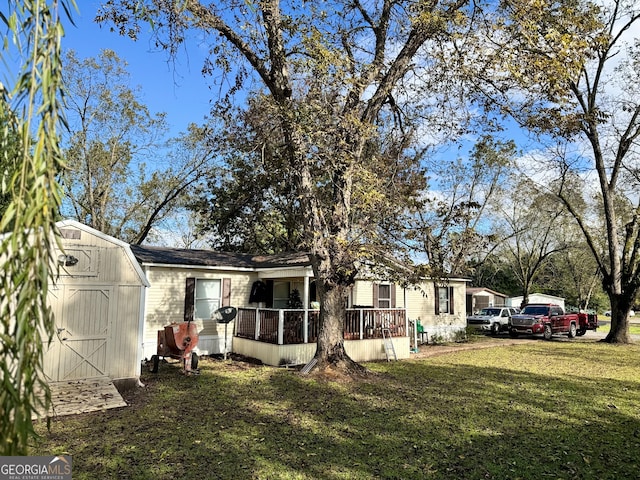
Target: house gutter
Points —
{"points": [[141, 321], [198, 267]]}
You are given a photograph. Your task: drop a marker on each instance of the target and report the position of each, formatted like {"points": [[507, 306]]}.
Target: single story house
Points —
{"points": [[277, 307], [536, 298], [480, 297]]}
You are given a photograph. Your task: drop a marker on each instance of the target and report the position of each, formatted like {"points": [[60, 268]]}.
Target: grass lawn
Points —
{"points": [[634, 329], [558, 410]]}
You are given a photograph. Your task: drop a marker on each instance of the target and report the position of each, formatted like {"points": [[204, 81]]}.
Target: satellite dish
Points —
{"points": [[225, 314]]}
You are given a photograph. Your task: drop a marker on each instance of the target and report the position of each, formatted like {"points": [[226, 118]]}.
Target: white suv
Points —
{"points": [[492, 319]]}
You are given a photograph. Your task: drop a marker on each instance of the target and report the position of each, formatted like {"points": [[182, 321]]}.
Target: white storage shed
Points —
{"points": [[98, 303], [536, 298]]}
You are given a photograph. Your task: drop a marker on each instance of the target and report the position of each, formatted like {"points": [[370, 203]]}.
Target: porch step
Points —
{"points": [[388, 344], [72, 397], [307, 368]]}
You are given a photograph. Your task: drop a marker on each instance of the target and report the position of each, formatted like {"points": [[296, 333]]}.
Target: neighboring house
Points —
{"points": [[97, 303], [193, 284], [479, 298], [536, 298]]}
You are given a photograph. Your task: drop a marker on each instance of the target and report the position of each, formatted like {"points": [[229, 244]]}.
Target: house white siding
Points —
{"points": [[420, 304], [300, 354], [362, 293], [165, 304]]}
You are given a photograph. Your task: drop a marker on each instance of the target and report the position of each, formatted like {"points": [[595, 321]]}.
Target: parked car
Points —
{"points": [[550, 319], [492, 319], [632, 313]]}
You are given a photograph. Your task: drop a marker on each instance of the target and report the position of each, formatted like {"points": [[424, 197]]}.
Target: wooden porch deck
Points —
{"points": [[296, 326]]}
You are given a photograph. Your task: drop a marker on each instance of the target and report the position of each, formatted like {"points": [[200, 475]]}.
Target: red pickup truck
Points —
{"points": [[549, 319]]}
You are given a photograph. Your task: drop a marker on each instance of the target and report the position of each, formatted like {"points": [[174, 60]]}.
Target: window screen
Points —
{"points": [[207, 297]]}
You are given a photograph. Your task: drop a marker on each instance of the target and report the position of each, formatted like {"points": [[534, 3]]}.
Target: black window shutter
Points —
{"points": [[226, 292], [189, 299], [436, 298], [451, 302], [392, 288]]}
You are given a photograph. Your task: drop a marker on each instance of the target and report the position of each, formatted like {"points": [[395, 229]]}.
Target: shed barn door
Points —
{"points": [[79, 347]]}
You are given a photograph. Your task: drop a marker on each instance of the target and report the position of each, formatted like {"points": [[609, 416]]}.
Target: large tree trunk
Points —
{"points": [[334, 280], [330, 351], [620, 307], [328, 232], [525, 292]]}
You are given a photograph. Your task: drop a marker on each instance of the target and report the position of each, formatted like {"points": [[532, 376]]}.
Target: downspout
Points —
{"points": [[141, 327]]}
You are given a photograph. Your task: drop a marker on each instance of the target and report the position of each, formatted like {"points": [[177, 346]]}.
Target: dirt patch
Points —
{"points": [[233, 358]]}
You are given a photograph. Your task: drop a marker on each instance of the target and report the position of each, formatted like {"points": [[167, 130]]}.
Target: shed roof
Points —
{"points": [[126, 248], [539, 295], [474, 290], [211, 258]]}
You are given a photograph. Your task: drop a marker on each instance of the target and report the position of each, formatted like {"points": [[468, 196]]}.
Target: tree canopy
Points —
{"points": [[339, 101], [571, 79], [456, 226], [249, 204], [123, 177]]}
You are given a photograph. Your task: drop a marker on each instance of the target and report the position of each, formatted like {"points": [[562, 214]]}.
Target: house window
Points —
{"points": [[384, 296], [280, 294], [444, 300], [207, 298]]}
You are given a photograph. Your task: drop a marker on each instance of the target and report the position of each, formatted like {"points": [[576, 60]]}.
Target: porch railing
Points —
{"points": [[286, 327]]}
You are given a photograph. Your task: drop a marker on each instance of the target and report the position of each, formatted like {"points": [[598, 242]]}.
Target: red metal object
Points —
{"points": [[186, 336], [177, 341]]}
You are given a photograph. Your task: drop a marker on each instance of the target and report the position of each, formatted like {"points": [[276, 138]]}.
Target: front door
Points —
{"points": [[79, 345]]}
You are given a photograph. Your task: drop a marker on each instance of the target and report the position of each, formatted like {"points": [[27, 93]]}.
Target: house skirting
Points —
{"points": [[214, 344], [299, 354]]}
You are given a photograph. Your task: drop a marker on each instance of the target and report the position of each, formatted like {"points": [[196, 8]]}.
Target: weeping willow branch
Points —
{"points": [[30, 111]]}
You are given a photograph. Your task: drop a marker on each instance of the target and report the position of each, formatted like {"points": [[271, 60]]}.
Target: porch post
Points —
{"points": [[305, 293], [305, 305], [361, 324], [406, 321], [305, 326], [280, 326], [406, 316], [257, 332]]}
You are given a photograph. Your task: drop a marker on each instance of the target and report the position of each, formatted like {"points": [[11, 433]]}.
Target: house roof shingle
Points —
{"points": [[212, 258]]}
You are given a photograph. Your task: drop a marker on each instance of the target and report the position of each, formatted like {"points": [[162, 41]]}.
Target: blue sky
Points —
{"points": [[179, 89]]}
